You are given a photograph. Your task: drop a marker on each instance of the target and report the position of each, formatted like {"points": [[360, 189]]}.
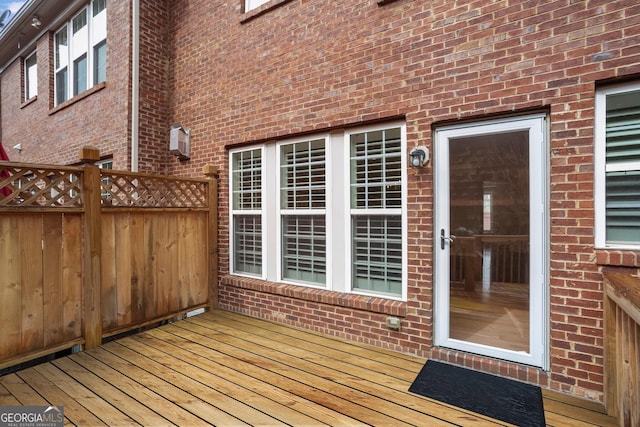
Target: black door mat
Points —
{"points": [[496, 397]]}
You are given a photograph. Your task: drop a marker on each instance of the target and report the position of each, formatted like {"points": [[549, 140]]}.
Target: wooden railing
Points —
{"points": [[86, 253], [508, 256], [622, 347]]}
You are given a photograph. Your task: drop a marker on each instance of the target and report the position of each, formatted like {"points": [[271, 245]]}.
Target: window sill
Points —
{"points": [[358, 302], [618, 257], [261, 10], [29, 101], [77, 98]]}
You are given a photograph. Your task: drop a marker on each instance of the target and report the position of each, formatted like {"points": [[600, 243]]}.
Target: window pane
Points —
{"points": [[377, 253], [623, 128], [623, 207], [623, 168], [106, 182], [100, 62], [31, 77], [80, 75], [79, 21], [304, 248], [302, 175], [99, 6], [247, 239], [247, 180], [61, 48], [376, 169], [61, 86]]}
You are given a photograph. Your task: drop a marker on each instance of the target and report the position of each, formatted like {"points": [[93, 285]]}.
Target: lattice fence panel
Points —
{"points": [[36, 186], [139, 190]]}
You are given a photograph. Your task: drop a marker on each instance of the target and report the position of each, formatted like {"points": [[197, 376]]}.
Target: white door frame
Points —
{"points": [[538, 308]]}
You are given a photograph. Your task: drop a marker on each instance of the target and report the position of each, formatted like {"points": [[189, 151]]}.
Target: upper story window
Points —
{"points": [[30, 76], [617, 145], [327, 211], [252, 4], [80, 52]]}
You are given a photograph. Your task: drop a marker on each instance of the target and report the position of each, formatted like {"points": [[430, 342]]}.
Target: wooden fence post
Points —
{"points": [[92, 223], [211, 172]]}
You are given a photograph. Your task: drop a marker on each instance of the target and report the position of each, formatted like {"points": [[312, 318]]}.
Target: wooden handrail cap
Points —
{"points": [[89, 154], [210, 170]]}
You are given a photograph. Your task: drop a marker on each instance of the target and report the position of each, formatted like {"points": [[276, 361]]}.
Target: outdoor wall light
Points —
{"points": [[35, 22], [418, 157]]}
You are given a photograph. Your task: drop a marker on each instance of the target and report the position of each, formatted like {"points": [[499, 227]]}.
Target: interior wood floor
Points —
{"points": [[497, 316], [225, 369]]}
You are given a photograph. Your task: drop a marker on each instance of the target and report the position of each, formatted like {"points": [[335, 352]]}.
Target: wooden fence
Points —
{"points": [[622, 348], [86, 253]]}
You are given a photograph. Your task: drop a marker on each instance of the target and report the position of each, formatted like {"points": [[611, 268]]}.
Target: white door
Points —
{"points": [[490, 239]]}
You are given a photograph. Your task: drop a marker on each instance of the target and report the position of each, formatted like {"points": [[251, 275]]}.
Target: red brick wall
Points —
{"points": [[154, 107], [101, 118], [320, 64]]}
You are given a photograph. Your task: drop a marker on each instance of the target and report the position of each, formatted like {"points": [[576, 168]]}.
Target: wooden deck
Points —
{"points": [[221, 368]]}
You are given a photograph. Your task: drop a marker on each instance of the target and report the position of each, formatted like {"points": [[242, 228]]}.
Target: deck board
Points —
{"points": [[222, 368]]}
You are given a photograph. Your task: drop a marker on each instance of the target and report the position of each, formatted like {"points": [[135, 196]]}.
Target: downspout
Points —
{"points": [[135, 83]]}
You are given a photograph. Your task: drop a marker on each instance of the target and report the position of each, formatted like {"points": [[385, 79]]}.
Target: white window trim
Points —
{"points": [[281, 212], [261, 212], [402, 211], [27, 80], [253, 4], [600, 164], [337, 211]]}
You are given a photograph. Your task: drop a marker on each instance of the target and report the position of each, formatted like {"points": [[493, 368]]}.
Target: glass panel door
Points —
{"points": [[489, 248]]}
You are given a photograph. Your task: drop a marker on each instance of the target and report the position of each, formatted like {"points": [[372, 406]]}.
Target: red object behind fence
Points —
{"points": [[4, 191]]}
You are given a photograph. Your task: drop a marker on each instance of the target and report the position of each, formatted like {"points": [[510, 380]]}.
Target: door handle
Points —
{"points": [[444, 239]]}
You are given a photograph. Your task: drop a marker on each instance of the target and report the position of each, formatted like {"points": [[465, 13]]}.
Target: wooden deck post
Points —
{"points": [[92, 223], [622, 347], [211, 172]]}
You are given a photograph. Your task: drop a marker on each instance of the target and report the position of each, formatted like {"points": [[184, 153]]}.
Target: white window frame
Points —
{"points": [[300, 212], [235, 212], [30, 77], [253, 4], [401, 211], [337, 211], [80, 44], [601, 167]]}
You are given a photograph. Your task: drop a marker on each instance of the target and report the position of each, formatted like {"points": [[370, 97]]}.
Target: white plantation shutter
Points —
{"points": [[325, 211], [246, 202], [304, 248], [302, 210], [376, 211], [377, 253], [623, 167]]}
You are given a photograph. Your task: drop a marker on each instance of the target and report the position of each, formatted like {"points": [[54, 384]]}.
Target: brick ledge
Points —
{"points": [[618, 258], [358, 302]]}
